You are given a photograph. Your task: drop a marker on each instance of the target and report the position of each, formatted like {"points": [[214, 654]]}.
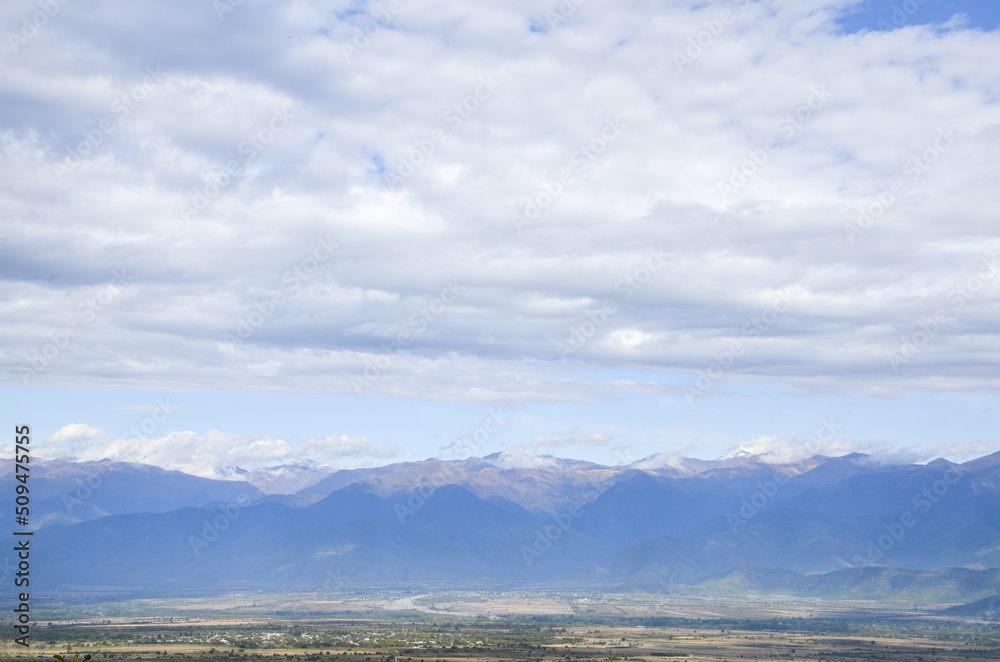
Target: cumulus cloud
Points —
{"points": [[72, 434], [202, 455]]}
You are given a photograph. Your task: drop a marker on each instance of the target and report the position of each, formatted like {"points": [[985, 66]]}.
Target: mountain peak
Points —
{"points": [[738, 454], [232, 473]]}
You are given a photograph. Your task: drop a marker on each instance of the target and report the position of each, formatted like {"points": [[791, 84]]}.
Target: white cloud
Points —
{"points": [[781, 450], [72, 434], [201, 455], [663, 461], [530, 456], [655, 185], [523, 457]]}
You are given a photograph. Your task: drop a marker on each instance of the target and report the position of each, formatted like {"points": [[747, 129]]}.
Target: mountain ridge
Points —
{"points": [[776, 526]]}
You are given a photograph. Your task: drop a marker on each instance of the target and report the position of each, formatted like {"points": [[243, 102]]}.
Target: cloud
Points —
{"points": [[529, 456], [594, 439], [244, 257], [662, 461], [956, 452], [781, 450], [523, 457], [201, 455], [72, 434]]}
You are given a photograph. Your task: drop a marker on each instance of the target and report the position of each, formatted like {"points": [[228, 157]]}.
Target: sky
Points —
{"points": [[245, 233]]}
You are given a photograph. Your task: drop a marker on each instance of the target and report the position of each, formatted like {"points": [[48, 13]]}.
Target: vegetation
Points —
{"points": [[594, 628]]}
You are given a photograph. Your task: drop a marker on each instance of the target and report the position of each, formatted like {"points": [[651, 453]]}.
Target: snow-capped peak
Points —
{"points": [[737, 454]]}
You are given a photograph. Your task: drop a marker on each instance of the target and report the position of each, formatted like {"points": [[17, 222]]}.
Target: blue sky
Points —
{"points": [[887, 16], [635, 229], [615, 431]]}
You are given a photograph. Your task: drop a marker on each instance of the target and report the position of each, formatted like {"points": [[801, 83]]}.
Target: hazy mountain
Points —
{"points": [[942, 585], [344, 477], [355, 533], [67, 492], [987, 608], [639, 507], [550, 488], [844, 526], [283, 479]]}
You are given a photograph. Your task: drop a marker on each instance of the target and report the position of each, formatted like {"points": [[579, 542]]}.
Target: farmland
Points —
{"points": [[500, 626]]}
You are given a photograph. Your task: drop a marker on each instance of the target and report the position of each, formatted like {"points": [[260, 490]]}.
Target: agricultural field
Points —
{"points": [[502, 626]]}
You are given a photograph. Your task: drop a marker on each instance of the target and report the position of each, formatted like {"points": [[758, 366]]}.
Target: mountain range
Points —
{"points": [[845, 527]]}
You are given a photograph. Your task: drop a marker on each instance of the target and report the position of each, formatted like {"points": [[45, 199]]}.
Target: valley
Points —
{"points": [[501, 626]]}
